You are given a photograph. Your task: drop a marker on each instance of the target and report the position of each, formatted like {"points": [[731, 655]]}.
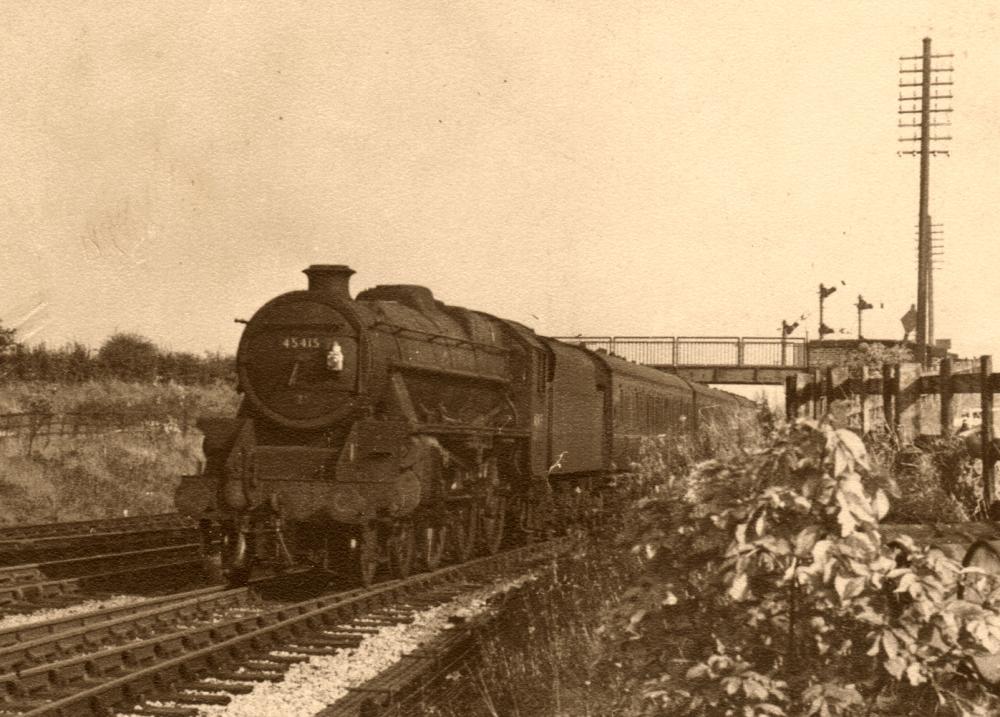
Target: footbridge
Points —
{"points": [[709, 359]]}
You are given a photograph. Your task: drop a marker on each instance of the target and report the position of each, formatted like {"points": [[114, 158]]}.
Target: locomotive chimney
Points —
{"points": [[330, 279]]}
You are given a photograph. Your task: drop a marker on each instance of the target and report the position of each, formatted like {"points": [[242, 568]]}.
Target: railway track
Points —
{"points": [[201, 649], [33, 543], [58, 583], [103, 525]]}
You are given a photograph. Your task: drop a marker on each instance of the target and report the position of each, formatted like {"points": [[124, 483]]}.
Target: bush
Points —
{"points": [[129, 357], [769, 590], [126, 357]]}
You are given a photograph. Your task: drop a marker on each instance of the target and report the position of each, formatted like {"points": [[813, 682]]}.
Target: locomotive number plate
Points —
{"points": [[302, 342]]}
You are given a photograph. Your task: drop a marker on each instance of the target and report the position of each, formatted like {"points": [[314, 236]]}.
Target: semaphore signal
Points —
{"points": [[824, 291], [862, 306]]}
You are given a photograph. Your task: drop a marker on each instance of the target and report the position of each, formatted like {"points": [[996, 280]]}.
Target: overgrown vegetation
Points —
{"points": [[538, 656], [546, 654], [755, 583], [768, 589], [941, 482], [876, 355], [123, 356]]}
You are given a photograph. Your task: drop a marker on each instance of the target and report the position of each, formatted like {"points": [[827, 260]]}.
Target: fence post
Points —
{"points": [[739, 352], [887, 395], [863, 400], [986, 435], [944, 394], [897, 410], [817, 399], [828, 390], [791, 409]]}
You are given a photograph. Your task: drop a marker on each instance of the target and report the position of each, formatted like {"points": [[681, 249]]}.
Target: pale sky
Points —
{"points": [[583, 167]]}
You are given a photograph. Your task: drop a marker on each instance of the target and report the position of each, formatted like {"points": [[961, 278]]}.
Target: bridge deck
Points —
{"points": [[709, 359]]}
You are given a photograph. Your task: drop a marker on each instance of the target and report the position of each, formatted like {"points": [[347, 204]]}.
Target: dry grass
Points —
{"points": [[144, 401], [538, 655]]}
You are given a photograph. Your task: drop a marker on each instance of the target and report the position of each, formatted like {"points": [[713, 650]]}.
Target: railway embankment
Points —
{"points": [[99, 448]]}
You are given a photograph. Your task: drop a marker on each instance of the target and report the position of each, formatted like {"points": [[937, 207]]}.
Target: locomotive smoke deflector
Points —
{"points": [[332, 279]]}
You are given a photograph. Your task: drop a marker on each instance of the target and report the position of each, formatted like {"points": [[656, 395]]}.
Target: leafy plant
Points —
{"points": [[769, 589]]}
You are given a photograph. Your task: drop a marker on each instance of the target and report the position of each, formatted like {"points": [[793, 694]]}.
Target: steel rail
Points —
{"points": [[145, 522], [121, 624], [36, 582], [26, 550], [31, 631], [154, 668]]}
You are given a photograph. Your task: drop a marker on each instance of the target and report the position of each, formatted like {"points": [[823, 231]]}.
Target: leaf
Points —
{"points": [[738, 590], [775, 546], [847, 522], [881, 503], [858, 546], [890, 644], [697, 671], [848, 588], [914, 674], [754, 690], [895, 667], [806, 539], [852, 444], [905, 582]]}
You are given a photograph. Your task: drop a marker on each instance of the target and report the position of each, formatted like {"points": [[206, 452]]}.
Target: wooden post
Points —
{"points": [[791, 409], [897, 409], [828, 390], [887, 395], [863, 401], [986, 436], [944, 394], [816, 398]]}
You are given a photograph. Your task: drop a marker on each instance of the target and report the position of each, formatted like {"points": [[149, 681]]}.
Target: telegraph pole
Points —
{"points": [[909, 97]]}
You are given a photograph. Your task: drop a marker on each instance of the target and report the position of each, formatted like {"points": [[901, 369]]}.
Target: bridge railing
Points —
{"points": [[700, 350]]}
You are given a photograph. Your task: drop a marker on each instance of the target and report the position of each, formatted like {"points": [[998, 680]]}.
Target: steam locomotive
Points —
{"points": [[391, 431]]}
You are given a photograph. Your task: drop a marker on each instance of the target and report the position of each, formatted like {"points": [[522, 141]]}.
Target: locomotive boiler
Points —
{"points": [[391, 431]]}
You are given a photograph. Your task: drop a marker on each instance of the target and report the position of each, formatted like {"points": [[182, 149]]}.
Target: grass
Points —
{"points": [[538, 656], [132, 469]]}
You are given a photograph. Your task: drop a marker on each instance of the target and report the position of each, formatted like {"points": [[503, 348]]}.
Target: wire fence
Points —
{"points": [[46, 425]]}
